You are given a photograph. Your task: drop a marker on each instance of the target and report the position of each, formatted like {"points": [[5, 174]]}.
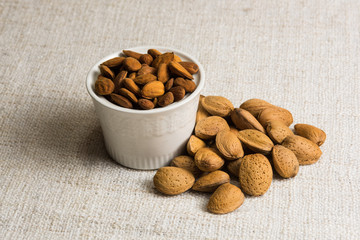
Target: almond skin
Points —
{"points": [[208, 160], [106, 71], [153, 89], [163, 58], [131, 86], [209, 127], [132, 54], [285, 161], [243, 119], [166, 99], [188, 85], [145, 78], [178, 92], [173, 180], [217, 105], [229, 145], [146, 58], [234, 167], [163, 73], [191, 67], [154, 52], [131, 64], [129, 95], [114, 62], [310, 132], [255, 174], [121, 101], [275, 113], [186, 162], [146, 104], [194, 144], [256, 141], [146, 69], [306, 151], [278, 131], [255, 106], [104, 86], [211, 181], [179, 70], [119, 80], [225, 199]]}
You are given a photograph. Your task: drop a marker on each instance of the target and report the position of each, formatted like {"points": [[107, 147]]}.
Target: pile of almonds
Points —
{"points": [[145, 81], [248, 143]]}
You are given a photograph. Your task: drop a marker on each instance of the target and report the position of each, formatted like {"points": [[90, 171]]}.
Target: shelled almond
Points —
{"points": [[133, 78], [249, 143]]}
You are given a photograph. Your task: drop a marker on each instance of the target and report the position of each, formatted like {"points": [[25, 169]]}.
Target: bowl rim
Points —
{"points": [[108, 104]]}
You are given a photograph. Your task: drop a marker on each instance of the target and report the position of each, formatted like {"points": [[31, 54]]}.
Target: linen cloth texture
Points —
{"points": [[56, 179]]}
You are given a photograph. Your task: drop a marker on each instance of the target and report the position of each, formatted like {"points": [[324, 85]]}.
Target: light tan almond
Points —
{"points": [[285, 161], [310, 132], [163, 58], [163, 73], [211, 181], [201, 112], [131, 64], [256, 141], [114, 62], [234, 130], [217, 105], [306, 151], [245, 120], [194, 144], [255, 174], [278, 131], [179, 70], [255, 106], [186, 162], [225, 199], [153, 89], [208, 127], [275, 113], [132, 54], [173, 180], [229, 145], [145, 78], [191, 67], [208, 159], [234, 166]]}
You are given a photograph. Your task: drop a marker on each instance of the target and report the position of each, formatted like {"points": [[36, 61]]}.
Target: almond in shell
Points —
{"points": [[211, 181], [234, 166], [194, 144], [278, 131], [217, 105], [243, 119], [208, 127], [256, 141], [173, 180], [285, 161], [229, 145], [225, 199], [310, 132], [255, 106], [186, 162], [275, 113], [208, 159]]}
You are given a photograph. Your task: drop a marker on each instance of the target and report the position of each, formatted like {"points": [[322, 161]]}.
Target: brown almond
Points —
{"points": [[186, 162], [211, 181], [131, 64], [163, 73], [188, 85], [210, 126], [285, 161], [256, 141], [229, 145], [104, 86], [132, 75], [114, 62], [306, 151], [177, 58], [169, 84], [166, 99], [145, 104], [121, 101], [118, 80], [145, 78], [153, 89], [173, 180], [255, 174], [146, 58], [132, 54], [129, 95], [178, 92], [217, 105], [234, 166], [310, 132], [278, 131], [227, 198], [255, 106], [275, 113], [179, 70], [194, 144], [146, 69], [131, 86], [106, 71], [208, 159], [191, 67], [163, 58], [245, 120], [154, 53]]}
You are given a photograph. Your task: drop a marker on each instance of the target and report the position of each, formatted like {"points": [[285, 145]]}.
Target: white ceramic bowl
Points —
{"points": [[146, 139]]}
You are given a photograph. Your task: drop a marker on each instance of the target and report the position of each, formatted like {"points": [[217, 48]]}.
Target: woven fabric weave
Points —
{"points": [[56, 179]]}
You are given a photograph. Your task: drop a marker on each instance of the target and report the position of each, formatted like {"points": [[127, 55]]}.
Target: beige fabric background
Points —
{"points": [[56, 179]]}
